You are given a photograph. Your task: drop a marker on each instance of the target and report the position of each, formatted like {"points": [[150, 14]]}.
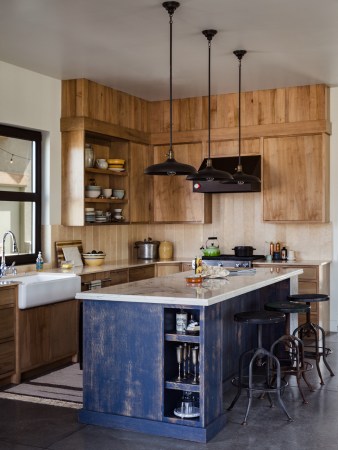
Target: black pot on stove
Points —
{"points": [[243, 250]]}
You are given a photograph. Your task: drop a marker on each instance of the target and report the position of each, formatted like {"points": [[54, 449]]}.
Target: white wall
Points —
{"points": [[31, 100], [334, 208]]}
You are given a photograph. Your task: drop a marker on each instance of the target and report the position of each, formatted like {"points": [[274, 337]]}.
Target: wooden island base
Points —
{"points": [[130, 364]]}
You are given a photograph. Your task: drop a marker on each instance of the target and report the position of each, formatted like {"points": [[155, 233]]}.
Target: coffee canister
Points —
{"points": [[165, 250]]}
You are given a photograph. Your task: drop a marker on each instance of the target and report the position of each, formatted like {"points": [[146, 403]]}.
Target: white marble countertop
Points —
{"points": [[173, 289], [296, 262]]}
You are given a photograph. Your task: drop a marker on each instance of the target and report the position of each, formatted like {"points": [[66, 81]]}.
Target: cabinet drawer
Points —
{"points": [[7, 357], [7, 295], [310, 273], [6, 323], [119, 277], [168, 269], [307, 287], [141, 273]]}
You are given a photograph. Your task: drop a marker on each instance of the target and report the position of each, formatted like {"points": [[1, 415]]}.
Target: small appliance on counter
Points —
{"points": [[147, 249]]}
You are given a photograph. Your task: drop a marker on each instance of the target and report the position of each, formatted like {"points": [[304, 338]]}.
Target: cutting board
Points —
{"points": [[58, 248]]}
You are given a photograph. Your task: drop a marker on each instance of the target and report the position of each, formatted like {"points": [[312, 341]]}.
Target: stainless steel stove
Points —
{"points": [[231, 260]]}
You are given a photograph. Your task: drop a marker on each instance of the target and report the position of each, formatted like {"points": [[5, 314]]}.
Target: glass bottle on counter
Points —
{"points": [[39, 262]]}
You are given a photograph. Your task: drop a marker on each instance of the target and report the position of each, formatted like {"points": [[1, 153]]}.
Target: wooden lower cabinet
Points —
{"points": [[8, 295], [47, 334], [314, 280], [142, 272]]}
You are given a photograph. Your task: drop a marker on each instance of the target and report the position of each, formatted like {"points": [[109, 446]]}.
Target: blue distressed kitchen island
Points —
{"points": [[130, 341]]}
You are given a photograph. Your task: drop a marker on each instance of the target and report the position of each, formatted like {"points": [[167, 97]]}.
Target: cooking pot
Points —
{"points": [[243, 250], [211, 247], [147, 249]]}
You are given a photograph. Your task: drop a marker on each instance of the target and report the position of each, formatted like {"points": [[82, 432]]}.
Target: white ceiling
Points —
{"points": [[125, 43]]}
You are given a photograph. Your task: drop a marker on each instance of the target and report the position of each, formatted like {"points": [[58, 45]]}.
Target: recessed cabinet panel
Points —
{"points": [[174, 200], [295, 171]]}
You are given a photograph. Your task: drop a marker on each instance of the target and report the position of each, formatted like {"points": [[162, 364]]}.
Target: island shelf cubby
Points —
{"points": [[173, 389]]}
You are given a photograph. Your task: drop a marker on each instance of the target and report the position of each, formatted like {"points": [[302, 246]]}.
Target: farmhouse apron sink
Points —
{"points": [[43, 288]]}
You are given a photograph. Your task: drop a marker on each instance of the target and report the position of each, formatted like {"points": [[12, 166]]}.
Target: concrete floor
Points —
{"points": [[28, 426]]}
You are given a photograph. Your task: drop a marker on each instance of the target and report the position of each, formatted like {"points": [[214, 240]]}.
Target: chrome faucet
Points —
{"points": [[3, 267]]}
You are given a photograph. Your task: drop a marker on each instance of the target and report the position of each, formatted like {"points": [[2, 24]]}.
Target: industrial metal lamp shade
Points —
{"points": [[209, 173], [239, 176], [170, 166]]}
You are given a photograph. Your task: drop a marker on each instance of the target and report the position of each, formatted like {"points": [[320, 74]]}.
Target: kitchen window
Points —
{"points": [[20, 192]]}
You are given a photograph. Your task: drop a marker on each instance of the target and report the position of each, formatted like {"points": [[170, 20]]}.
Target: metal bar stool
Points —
{"points": [[315, 351], [258, 378], [289, 349]]}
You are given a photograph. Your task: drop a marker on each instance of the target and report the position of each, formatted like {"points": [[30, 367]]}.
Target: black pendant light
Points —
{"points": [[241, 177], [170, 166], [209, 173]]}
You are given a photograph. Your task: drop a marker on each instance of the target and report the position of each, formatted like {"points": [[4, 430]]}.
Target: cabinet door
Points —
{"points": [[295, 184], [174, 199], [7, 358], [63, 329], [47, 334], [139, 184], [34, 337]]}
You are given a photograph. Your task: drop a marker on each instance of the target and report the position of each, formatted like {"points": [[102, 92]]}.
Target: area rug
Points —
{"points": [[62, 387]]}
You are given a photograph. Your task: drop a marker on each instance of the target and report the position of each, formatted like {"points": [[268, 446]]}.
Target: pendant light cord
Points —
{"points": [[170, 155], [239, 110], [209, 94]]}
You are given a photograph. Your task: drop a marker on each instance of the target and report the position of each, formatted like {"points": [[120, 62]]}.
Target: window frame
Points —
{"points": [[32, 197]]}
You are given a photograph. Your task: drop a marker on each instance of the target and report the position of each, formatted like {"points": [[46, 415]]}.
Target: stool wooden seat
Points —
{"points": [[259, 378], [315, 351]]}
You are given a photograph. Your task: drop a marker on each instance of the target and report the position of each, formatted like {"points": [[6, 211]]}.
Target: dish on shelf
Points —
{"points": [[116, 161], [92, 194], [195, 412], [115, 169], [91, 187]]}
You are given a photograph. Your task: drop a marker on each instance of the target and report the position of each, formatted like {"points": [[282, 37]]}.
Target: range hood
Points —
{"points": [[251, 165]]}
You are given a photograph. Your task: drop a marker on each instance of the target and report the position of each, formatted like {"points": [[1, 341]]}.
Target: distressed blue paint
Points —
{"points": [[130, 363], [167, 429]]}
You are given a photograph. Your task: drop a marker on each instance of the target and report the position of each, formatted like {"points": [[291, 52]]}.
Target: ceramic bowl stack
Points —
{"points": [[93, 259], [89, 215], [100, 217], [92, 191], [116, 165]]}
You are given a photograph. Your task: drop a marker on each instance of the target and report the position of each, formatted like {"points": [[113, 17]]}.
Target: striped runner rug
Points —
{"points": [[61, 387]]}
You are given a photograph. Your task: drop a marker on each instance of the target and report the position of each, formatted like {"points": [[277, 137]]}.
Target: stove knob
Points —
{"points": [[237, 264]]}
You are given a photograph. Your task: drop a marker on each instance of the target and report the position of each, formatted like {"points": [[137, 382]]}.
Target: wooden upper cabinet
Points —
{"points": [[174, 199], [140, 187], [295, 179]]}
